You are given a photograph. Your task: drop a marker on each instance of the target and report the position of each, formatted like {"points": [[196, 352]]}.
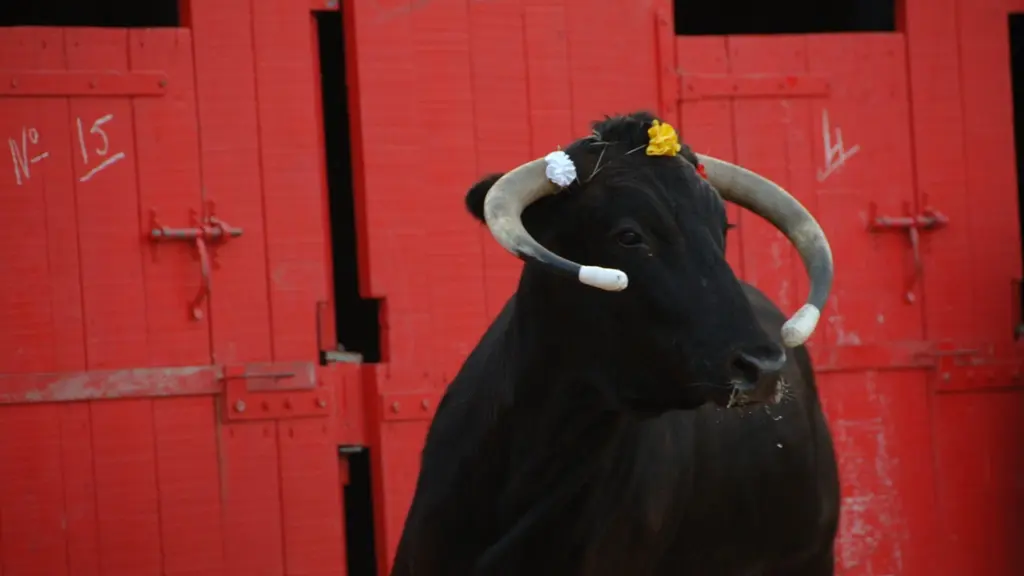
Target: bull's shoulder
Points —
{"points": [[470, 410], [462, 462]]}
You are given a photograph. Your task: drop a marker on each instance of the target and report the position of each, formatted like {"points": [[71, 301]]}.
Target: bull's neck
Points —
{"points": [[561, 427], [563, 342]]}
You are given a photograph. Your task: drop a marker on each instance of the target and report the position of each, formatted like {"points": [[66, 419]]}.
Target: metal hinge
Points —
{"points": [[278, 391]]}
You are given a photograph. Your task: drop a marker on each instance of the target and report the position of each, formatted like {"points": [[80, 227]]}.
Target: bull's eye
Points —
{"points": [[629, 238]]}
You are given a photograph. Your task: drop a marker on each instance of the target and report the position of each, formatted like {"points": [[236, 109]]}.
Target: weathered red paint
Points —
{"points": [[154, 382], [129, 383], [117, 401]]}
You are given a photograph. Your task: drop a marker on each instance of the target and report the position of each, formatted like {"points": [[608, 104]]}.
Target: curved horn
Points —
{"points": [[771, 202], [503, 210]]}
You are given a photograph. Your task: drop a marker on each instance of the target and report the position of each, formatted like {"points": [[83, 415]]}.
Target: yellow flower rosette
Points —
{"points": [[663, 140]]}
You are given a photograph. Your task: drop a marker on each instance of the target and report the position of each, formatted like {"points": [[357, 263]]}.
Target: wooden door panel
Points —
{"points": [[40, 285], [96, 147]]}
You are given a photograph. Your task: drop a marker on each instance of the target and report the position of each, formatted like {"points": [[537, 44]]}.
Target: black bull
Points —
{"points": [[660, 429]]}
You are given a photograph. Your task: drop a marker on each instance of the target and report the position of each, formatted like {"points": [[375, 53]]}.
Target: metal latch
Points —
{"points": [[205, 228], [928, 219]]}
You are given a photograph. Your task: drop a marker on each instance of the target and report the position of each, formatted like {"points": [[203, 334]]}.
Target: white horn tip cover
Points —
{"points": [[604, 278], [799, 328]]}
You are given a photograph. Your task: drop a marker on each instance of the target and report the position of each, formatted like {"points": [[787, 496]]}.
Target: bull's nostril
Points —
{"points": [[746, 369], [756, 365]]}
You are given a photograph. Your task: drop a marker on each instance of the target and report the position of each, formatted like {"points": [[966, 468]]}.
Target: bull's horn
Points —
{"points": [[769, 201], [503, 210]]}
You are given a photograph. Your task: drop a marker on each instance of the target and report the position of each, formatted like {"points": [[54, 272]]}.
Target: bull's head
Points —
{"points": [[638, 214]]}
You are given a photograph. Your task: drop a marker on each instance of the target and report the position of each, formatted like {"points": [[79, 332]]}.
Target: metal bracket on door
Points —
{"points": [[279, 391], [205, 228], [912, 224]]}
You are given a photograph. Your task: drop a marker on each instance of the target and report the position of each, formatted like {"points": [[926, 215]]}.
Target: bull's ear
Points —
{"points": [[687, 153], [477, 193]]}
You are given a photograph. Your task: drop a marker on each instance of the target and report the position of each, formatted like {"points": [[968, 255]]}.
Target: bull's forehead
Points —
{"points": [[659, 195]]}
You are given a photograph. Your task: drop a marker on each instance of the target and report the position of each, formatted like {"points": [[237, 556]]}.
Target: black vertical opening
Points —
{"points": [[94, 13], [720, 17], [359, 536], [1017, 83], [357, 318]]}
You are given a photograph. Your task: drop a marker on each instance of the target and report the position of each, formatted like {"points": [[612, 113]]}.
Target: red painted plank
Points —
{"points": [[977, 472], [311, 499], [79, 490], [869, 107], [251, 493], [187, 477], [435, 254], [549, 77], [32, 498], [292, 172], [166, 147], [42, 314], [453, 263], [940, 173], [502, 110], [229, 140], [114, 291], [397, 458], [879, 419], [665, 60], [350, 388], [707, 126], [771, 136], [990, 168], [127, 500], [934, 76], [880, 425], [977, 450], [385, 63], [609, 77], [380, 39], [548, 124]]}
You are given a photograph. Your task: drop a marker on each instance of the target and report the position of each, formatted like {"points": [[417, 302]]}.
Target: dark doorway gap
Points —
{"points": [[1016, 23], [722, 17], [91, 13], [357, 318], [360, 546]]}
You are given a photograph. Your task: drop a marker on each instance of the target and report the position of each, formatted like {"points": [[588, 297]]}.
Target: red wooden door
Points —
{"points": [[143, 445], [100, 134], [827, 116], [964, 144]]}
